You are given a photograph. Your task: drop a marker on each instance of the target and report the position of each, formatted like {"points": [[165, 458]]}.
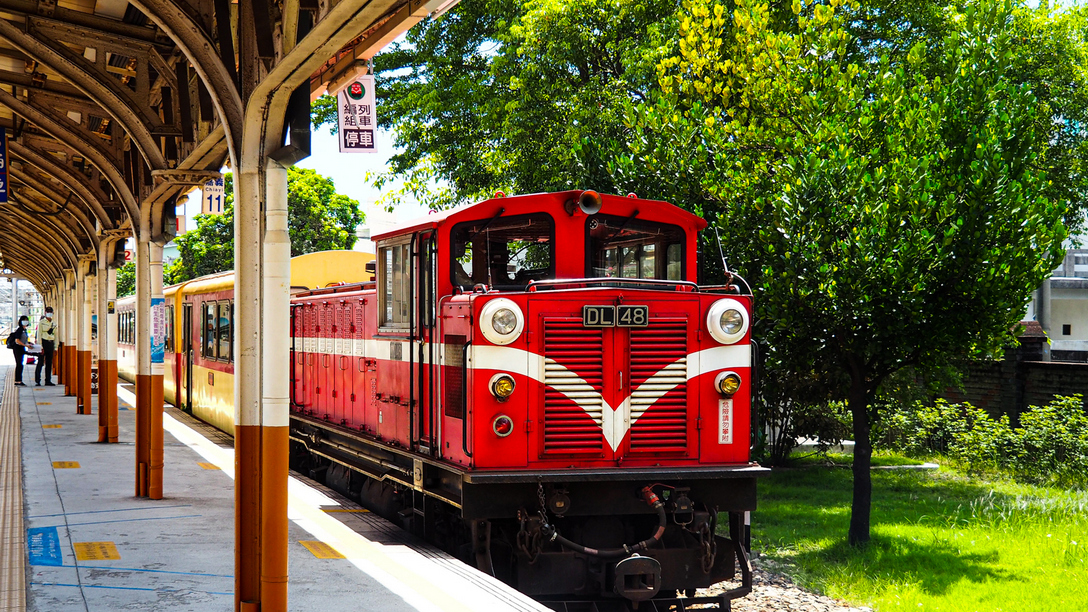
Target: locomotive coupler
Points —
{"points": [[637, 578]]}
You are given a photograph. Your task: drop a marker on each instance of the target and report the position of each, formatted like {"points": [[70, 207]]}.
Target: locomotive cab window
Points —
{"points": [[503, 252], [394, 264], [625, 247]]}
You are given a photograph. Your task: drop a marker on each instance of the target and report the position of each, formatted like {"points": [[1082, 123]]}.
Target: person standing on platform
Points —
{"points": [[18, 341], [47, 336]]}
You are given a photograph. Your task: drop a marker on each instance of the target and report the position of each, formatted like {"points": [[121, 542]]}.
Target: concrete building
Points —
{"points": [[1060, 306]]}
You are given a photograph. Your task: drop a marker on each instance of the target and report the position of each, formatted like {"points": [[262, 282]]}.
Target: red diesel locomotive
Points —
{"points": [[537, 384]]}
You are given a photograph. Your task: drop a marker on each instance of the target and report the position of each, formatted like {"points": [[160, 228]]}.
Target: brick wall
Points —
{"points": [[1010, 386]]}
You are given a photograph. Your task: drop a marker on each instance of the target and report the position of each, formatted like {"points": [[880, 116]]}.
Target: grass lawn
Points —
{"points": [[941, 541]]}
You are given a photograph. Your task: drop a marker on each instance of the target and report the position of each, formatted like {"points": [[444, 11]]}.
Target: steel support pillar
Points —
{"points": [[149, 375], [57, 317], [83, 344], [107, 352], [262, 255], [69, 330]]}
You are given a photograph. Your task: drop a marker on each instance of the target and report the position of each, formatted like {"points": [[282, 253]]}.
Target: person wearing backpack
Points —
{"points": [[47, 336], [18, 341]]}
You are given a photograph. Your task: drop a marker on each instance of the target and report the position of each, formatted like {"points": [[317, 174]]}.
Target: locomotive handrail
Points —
{"points": [[464, 398], [613, 282]]}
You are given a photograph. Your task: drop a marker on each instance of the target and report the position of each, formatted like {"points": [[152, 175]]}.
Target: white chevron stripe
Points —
{"points": [[614, 422]]}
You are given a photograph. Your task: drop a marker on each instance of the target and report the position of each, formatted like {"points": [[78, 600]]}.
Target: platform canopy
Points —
{"points": [[112, 110]]}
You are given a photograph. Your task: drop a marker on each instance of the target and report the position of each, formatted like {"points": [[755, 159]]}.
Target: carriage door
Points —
{"points": [[298, 356], [426, 348], [185, 380], [341, 368]]}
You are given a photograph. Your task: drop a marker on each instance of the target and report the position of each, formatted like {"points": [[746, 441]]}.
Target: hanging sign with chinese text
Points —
{"points": [[214, 192], [357, 118]]}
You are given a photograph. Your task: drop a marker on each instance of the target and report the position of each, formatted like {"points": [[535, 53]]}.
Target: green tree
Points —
{"points": [[889, 214], [502, 94], [126, 279], [319, 219]]}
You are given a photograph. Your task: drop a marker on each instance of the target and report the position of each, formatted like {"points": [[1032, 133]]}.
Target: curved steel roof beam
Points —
{"points": [[202, 54], [63, 242], [60, 201], [104, 93], [72, 179], [44, 260], [266, 104], [90, 151], [26, 265]]}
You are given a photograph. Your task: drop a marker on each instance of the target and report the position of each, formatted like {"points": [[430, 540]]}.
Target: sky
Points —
{"points": [[347, 171]]}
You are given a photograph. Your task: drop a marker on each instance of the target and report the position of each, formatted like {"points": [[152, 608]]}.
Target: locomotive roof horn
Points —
{"points": [[589, 202]]}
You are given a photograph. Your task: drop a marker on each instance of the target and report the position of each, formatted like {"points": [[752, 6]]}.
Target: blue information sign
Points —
{"points": [[43, 546]]}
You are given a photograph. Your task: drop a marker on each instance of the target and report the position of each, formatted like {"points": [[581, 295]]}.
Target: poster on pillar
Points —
{"points": [[357, 117], [158, 330], [94, 338]]}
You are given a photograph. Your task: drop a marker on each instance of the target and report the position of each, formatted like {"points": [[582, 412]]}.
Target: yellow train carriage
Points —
{"points": [[199, 360]]}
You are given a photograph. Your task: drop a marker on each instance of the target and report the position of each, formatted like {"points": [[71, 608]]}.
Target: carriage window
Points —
{"points": [[505, 252], [169, 329], [224, 331], [628, 248], [393, 280], [209, 330]]}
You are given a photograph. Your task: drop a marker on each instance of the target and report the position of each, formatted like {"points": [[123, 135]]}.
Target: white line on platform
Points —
{"points": [[428, 587]]}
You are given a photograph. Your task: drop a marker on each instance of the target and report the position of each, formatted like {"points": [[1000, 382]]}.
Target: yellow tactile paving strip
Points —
{"points": [[12, 534]]}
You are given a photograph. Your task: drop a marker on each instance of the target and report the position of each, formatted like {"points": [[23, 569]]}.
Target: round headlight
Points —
{"points": [[727, 320], [504, 321], [502, 386], [502, 426], [727, 383], [501, 321], [732, 321]]}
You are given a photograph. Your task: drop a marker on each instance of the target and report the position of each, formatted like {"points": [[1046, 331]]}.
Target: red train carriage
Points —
{"points": [[538, 384]]}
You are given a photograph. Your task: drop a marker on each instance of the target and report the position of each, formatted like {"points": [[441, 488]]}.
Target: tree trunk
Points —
{"points": [[863, 458]]}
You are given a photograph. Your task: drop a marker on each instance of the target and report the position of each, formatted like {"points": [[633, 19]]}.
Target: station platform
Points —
{"points": [[74, 537]]}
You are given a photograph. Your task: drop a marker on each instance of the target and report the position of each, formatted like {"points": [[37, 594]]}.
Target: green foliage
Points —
{"points": [[891, 214], [319, 219], [1049, 446], [126, 279], [501, 94]]}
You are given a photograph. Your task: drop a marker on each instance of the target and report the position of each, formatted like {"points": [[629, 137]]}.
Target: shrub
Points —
{"points": [[1051, 444]]}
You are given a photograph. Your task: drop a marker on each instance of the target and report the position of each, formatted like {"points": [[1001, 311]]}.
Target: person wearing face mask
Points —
{"points": [[47, 336], [18, 342]]}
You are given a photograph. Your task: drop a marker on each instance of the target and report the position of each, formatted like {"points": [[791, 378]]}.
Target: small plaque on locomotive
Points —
{"points": [[632, 316], [599, 316]]}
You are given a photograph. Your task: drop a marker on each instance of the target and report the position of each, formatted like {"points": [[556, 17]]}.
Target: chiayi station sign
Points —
{"points": [[357, 119]]}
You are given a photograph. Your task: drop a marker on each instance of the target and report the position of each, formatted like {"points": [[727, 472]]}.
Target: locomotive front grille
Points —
{"points": [[659, 376], [573, 376]]}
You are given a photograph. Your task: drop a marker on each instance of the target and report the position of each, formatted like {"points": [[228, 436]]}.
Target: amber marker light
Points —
{"points": [[502, 426], [502, 386], [727, 383]]}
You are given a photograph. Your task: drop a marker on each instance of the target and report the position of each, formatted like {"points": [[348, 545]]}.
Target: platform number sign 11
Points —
{"points": [[356, 116], [3, 165], [215, 193]]}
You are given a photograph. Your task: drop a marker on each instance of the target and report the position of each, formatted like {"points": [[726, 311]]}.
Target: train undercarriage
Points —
{"points": [[578, 539]]}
